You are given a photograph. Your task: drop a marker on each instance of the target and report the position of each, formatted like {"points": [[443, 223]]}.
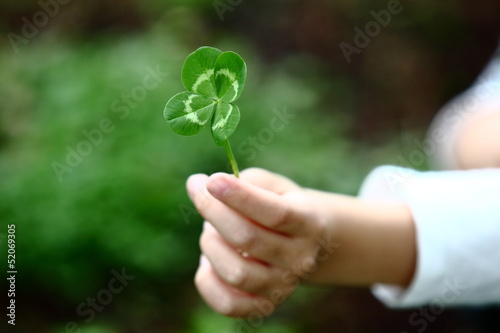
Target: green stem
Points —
{"points": [[230, 155]]}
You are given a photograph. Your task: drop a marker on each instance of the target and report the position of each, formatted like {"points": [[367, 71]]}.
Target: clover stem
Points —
{"points": [[232, 161]]}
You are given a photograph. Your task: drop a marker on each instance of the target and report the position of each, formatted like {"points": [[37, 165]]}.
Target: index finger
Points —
{"points": [[273, 211]]}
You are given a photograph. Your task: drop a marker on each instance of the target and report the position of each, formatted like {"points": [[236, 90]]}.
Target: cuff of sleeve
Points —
{"points": [[456, 246]]}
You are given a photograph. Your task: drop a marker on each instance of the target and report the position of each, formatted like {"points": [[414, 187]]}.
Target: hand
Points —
{"points": [[259, 240], [264, 235]]}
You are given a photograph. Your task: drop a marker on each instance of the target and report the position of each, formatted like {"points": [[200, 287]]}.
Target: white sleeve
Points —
{"points": [[457, 219]]}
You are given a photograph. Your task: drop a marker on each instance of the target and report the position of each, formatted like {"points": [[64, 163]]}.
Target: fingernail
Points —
{"points": [[218, 186]]}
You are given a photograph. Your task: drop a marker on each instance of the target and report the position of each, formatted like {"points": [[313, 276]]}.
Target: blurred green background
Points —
{"points": [[121, 203]]}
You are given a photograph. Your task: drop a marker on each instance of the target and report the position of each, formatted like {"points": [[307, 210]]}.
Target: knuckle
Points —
{"points": [[279, 254], [244, 238], [282, 218], [306, 265], [238, 276], [227, 306], [243, 198]]}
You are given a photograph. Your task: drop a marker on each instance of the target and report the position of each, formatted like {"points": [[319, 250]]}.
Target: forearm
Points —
{"points": [[377, 241]]}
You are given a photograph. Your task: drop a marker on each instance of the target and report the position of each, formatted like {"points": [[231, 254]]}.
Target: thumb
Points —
{"points": [[268, 180]]}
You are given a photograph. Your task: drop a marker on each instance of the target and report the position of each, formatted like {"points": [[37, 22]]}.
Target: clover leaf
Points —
{"points": [[214, 80]]}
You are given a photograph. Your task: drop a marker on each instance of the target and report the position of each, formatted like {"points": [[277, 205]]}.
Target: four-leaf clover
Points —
{"points": [[213, 80]]}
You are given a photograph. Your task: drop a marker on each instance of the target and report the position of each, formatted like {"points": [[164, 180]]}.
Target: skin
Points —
{"points": [[264, 234], [478, 145], [290, 234]]}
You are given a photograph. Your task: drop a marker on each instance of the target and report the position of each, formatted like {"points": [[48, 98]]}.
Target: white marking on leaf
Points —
{"points": [[187, 104], [232, 78], [222, 122], [192, 116], [203, 77], [228, 73], [236, 86]]}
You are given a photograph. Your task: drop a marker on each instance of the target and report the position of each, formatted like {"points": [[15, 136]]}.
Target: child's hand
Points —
{"points": [[265, 234], [259, 241]]}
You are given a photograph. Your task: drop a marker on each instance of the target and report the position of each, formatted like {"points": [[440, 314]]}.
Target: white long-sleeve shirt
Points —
{"points": [[457, 219], [456, 213]]}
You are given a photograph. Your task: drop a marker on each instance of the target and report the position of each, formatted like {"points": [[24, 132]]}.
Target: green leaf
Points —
{"points": [[187, 112], [214, 80], [229, 77], [198, 71], [224, 122]]}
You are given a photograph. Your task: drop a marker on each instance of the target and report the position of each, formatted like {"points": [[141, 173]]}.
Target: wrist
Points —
{"points": [[377, 241]]}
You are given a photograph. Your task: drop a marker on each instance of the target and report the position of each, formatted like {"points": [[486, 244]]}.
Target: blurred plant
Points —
{"points": [[214, 80], [115, 211]]}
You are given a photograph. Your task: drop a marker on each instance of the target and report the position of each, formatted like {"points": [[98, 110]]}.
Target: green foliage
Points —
{"points": [[214, 80], [125, 203]]}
